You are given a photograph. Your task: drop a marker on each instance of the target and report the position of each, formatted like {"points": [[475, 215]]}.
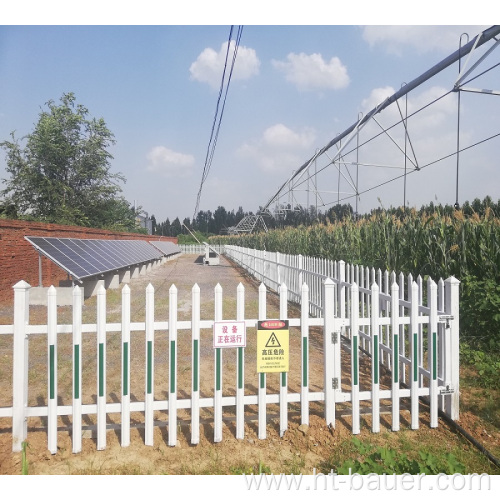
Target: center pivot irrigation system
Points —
{"points": [[386, 128]]}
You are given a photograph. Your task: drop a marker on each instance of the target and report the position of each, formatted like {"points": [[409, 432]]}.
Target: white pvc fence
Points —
{"points": [[200, 249], [400, 322], [410, 341]]}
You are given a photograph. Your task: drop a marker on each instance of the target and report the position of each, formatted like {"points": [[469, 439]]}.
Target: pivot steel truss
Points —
{"points": [[400, 155]]}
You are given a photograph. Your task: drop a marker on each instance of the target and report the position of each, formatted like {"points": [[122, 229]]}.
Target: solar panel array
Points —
{"points": [[83, 258], [166, 247]]}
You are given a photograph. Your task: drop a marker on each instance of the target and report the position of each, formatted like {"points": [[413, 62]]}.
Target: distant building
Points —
{"points": [[143, 220]]}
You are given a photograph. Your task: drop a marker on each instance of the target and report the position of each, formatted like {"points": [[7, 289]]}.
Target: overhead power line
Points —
{"points": [[214, 135]]}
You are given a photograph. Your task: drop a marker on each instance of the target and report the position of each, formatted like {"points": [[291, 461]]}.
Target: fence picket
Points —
{"points": [[240, 368], [52, 369], [414, 350], [284, 375], [125, 427], [375, 349], [262, 376], [172, 379], [395, 355], [328, 350], [195, 362], [355, 357], [218, 371], [304, 328], [433, 353], [101, 368], [149, 375], [77, 370]]}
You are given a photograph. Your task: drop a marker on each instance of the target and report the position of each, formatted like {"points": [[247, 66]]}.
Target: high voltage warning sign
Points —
{"points": [[272, 346]]}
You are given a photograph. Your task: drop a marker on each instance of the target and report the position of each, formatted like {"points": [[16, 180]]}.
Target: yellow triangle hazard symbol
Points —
{"points": [[273, 341]]}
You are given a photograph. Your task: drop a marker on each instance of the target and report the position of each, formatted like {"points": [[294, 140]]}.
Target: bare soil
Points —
{"points": [[301, 449]]}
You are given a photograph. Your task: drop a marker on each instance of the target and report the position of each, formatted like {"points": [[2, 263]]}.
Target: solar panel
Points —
{"points": [[83, 258], [167, 247]]}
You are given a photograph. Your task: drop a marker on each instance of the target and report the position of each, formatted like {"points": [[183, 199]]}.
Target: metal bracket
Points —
{"points": [[335, 383], [445, 318], [335, 337], [446, 390]]}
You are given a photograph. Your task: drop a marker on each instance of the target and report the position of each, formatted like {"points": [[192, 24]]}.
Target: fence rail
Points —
{"points": [[406, 342], [200, 249]]}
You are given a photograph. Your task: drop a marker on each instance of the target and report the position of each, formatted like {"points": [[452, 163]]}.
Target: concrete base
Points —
{"points": [[111, 281], [124, 275], [38, 295], [90, 287], [134, 272]]}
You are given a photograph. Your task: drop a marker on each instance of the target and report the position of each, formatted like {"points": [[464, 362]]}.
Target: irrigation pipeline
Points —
{"points": [[457, 428]]}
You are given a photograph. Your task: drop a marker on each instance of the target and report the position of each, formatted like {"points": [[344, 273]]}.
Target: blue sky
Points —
{"points": [[293, 89]]}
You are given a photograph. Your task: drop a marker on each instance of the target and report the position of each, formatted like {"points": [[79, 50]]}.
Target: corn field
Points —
{"points": [[435, 245]]}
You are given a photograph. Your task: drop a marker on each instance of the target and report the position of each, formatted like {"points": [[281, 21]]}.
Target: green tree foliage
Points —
{"points": [[61, 171]]}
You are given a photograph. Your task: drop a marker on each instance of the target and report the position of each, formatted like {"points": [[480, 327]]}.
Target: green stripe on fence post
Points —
{"points": [[218, 369], [395, 350], [262, 380], [125, 368], [195, 366], [52, 368], [240, 367], [304, 362], [434, 356], [415, 357], [172, 366], [375, 357], [76, 371], [150, 367], [355, 354], [101, 369]]}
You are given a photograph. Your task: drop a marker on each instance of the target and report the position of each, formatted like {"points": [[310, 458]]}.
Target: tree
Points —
{"points": [[62, 172]]}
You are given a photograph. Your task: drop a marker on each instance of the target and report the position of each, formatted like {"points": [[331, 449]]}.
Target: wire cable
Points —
{"points": [[216, 124]]}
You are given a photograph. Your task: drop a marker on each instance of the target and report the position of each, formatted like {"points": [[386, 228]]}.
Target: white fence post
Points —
{"points": [[77, 369], [304, 328], [414, 350], [375, 349], [125, 430], [172, 378], [20, 365], [452, 287], [101, 368], [433, 346], [52, 369], [283, 291], [149, 375], [328, 350], [240, 367], [195, 356], [355, 357], [262, 417], [395, 355], [218, 371]]}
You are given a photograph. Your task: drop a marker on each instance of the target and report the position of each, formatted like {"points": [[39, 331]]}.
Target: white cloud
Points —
{"points": [[209, 66], [424, 39], [312, 72], [169, 163], [279, 149]]}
